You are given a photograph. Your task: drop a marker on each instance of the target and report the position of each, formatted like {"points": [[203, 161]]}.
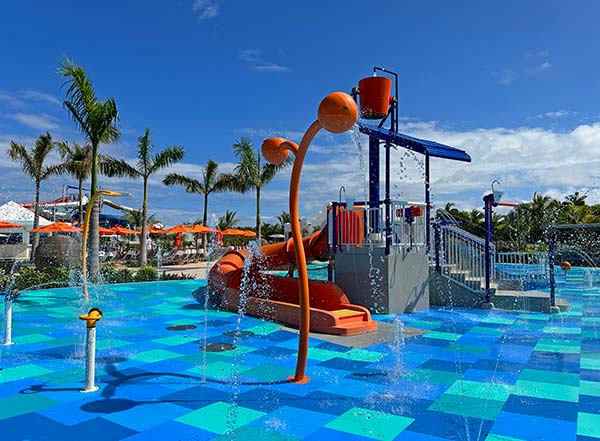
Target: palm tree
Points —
{"points": [[212, 182], [250, 174], [283, 218], [135, 219], [147, 164], [77, 161], [32, 163], [228, 220], [97, 121]]}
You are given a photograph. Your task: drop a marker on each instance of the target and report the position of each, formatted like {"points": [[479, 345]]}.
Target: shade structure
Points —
{"points": [[201, 229], [178, 229], [105, 231], [236, 232], [152, 230], [122, 231], [7, 225], [56, 227]]}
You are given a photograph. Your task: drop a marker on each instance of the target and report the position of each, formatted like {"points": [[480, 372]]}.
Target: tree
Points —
{"points": [[212, 182], [32, 163], [135, 219], [77, 161], [250, 174], [228, 220], [97, 121], [283, 218], [147, 164]]}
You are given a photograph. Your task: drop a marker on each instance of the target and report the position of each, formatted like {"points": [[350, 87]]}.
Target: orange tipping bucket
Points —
{"points": [[374, 97]]}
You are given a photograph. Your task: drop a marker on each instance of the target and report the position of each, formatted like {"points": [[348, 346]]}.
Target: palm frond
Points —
{"points": [[114, 167], [145, 148], [18, 153], [190, 185], [166, 158]]}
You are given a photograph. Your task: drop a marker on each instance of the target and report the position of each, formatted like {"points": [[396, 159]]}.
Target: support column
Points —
{"points": [[427, 204], [374, 183]]}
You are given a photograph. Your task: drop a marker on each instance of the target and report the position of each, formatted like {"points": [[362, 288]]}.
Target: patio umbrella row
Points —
{"points": [[62, 227]]}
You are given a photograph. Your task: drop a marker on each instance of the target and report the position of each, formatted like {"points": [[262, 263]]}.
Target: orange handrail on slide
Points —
{"points": [[277, 297]]}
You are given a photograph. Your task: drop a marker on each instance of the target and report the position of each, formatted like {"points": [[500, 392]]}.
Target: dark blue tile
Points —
{"points": [[28, 426], [97, 429], [561, 410], [325, 402], [589, 404], [265, 400], [446, 365], [196, 396], [497, 365], [554, 361], [334, 435], [589, 374], [534, 427], [344, 364], [274, 352], [452, 427]]}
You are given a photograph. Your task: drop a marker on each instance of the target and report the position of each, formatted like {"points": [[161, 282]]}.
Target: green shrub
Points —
{"points": [[173, 276], [146, 274], [4, 280], [110, 274]]}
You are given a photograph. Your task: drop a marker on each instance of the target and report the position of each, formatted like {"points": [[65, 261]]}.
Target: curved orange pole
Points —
{"points": [[299, 377]]}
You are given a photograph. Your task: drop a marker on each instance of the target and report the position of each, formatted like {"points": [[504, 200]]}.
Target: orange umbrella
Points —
{"points": [[105, 231], [153, 230], [56, 227], [10, 225], [236, 232], [122, 231], [179, 229], [201, 229]]}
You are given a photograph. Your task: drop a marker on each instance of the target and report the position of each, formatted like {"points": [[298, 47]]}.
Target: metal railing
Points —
{"points": [[364, 225], [464, 255], [522, 265]]}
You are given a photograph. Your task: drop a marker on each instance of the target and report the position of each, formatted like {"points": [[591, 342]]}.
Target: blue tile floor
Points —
{"points": [[473, 375]]}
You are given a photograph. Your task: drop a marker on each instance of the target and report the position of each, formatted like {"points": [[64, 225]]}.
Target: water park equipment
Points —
{"points": [[384, 264], [91, 318], [337, 113], [8, 296], [276, 297]]}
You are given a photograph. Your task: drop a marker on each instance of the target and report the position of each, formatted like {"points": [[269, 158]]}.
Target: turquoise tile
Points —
{"points": [[467, 406], [220, 417], [538, 375], [21, 372], [370, 424], [443, 335], [588, 424], [551, 391], [22, 404], [474, 389]]}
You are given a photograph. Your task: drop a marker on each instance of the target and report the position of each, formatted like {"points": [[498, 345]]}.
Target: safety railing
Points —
{"points": [[463, 255], [362, 225], [521, 265]]}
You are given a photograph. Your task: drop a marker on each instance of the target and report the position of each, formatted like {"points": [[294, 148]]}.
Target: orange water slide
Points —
{"points": [[277, 298]]}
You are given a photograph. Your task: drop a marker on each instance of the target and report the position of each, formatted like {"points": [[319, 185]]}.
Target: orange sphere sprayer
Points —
{"points": [[337, 113], [565, 266]]}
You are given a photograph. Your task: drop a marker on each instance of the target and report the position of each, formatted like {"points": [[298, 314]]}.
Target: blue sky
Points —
{"points": [[514, 83]]}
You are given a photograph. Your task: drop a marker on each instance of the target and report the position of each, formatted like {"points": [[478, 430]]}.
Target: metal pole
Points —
{"points": [[388, 232], [436, 233], [91, 318], [7, 319], [551, 271], [488, 201], [427, 203]]}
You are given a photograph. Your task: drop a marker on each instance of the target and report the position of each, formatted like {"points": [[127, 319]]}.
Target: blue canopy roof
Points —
{"points": [[422, 146]]}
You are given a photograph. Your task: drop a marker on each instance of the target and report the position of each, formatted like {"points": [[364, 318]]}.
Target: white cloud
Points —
{"points": [[40, 121], [206, 9], [11, 100], [556, 114], [509, 75], [40, 96], [254, 58]]}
